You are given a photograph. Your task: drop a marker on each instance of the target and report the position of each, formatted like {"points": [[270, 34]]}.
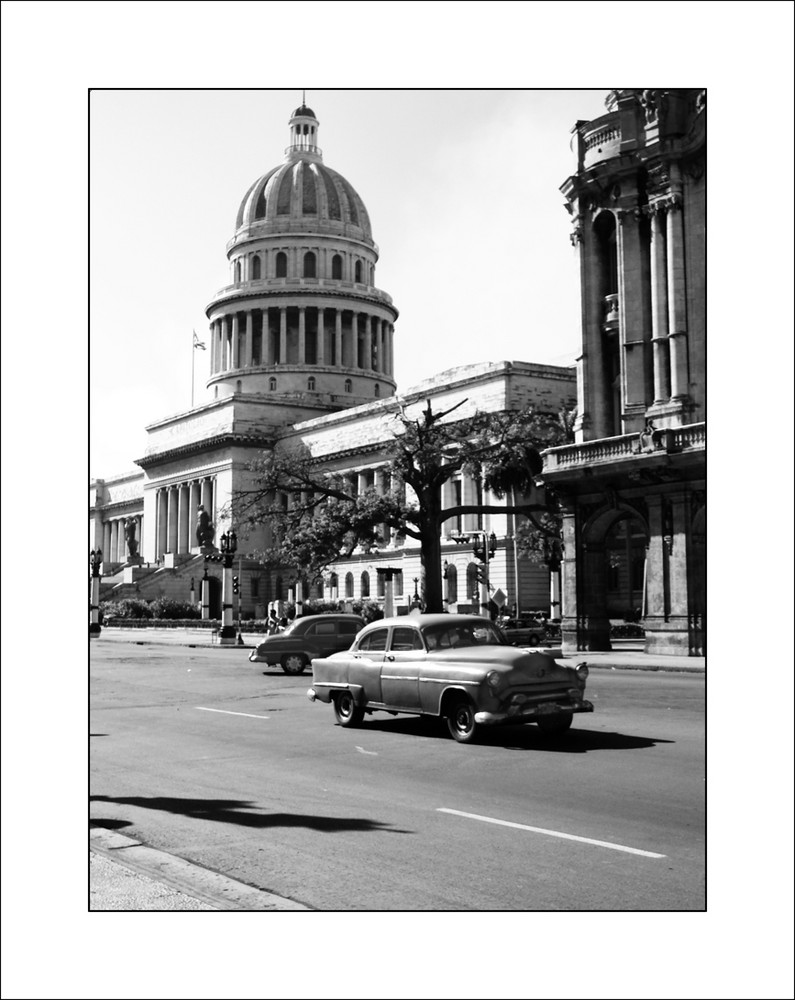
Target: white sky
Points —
{"points": [[462, 191], [177, 177]]}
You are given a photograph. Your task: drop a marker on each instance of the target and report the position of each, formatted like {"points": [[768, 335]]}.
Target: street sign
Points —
{"points": [[499, 597]]}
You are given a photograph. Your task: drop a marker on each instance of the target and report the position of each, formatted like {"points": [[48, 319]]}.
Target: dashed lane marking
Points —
{"points": [[554, 833], [223, 711]]}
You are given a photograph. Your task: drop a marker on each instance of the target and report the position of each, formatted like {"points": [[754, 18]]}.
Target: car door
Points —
{"points": [[366, 661], [400, 672]]}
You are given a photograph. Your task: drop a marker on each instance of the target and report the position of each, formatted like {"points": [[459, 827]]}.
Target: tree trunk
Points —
{"points": [[431, 551]]}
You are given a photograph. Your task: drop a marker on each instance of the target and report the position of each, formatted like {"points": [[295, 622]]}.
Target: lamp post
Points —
{"points": [[226, 557], [95, 561], [416, 603]]}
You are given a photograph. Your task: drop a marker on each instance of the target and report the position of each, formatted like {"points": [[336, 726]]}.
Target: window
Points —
{"points": [[237, 271], [272, 384], [239, 385], [310, 383], [322, 628], [348, 385], [451, 578], [377, 389], [365, 584], [375, 641], [357, 273], [255, 586], [404, 639], [310, 265], [281, 265], [256, 267], [336, 266], [349, 584]]}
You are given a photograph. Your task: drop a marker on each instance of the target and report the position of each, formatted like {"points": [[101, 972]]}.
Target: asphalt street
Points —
{"points": [[200, 755]]}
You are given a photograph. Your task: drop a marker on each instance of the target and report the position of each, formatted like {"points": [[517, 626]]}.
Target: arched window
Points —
{"points": [[281, 265], [357, 271], [237, 271], [380, 586], [349, 584], [377, 389], [472, 582], [336, 266], [216, 392], [310, 383], [365, 584], [310, 265], [272, 384], [256, 268], [398, 583], [239, 385], [348, 385], [334, 583], [451, 580]]}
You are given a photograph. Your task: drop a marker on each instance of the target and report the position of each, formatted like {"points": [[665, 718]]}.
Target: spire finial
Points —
{"points": [[303, 99]]}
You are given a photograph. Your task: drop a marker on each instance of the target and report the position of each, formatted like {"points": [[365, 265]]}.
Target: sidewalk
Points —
{"points": [[626, 655]]}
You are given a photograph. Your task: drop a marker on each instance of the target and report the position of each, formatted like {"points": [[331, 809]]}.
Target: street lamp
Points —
{"points": [[226, 557], [416, 603], [94, 561]]}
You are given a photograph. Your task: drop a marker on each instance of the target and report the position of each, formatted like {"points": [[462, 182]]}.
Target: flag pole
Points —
{"points": [[192, 366]]}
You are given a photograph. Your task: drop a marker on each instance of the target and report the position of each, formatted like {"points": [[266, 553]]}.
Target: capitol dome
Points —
{"points": [[303, 316]]}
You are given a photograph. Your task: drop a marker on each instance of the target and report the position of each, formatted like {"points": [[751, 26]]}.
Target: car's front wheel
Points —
{"points": [[461, 721], [555, 723], [294, 663], [346, 710]]}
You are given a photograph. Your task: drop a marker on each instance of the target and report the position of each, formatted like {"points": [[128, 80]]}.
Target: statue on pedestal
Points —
{"points": [[132, 543], [205, 529]]}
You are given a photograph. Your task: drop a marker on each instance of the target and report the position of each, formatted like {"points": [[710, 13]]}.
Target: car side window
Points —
{"points": [[321, 628], [375, 641], [404, 639], [349, 628]]}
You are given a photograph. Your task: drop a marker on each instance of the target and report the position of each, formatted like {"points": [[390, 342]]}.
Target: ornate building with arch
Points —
{"points": [[301, 348], [633, 485]]}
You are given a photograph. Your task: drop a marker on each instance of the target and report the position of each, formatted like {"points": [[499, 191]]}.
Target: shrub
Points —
{"points": [[166, 608]]}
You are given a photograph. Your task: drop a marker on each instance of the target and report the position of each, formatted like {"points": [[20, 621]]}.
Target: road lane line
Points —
{"points": [[371, 753], [554, 833], [223, 711]]}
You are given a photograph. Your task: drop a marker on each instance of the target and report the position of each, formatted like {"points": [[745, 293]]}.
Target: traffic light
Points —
{"points": [[235, 584]]}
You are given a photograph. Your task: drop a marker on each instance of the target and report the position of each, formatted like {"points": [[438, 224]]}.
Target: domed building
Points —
{"points": [[302, 317], [301, 349]]}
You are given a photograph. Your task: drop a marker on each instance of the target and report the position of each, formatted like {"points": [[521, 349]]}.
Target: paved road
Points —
{"points": [[198, 753]]}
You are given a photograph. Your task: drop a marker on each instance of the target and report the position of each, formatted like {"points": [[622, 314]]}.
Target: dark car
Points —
{"points": [[526, 630], [306, 638]]}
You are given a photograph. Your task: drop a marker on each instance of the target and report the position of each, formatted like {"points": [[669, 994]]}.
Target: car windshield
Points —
{"points": [[462, 634]]}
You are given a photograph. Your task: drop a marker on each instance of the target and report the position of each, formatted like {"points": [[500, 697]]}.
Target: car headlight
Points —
{"points": [[582, 672], [493, 679]]}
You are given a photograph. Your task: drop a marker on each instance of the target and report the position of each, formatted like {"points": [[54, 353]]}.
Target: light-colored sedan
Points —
{"points": [[458, 667]]}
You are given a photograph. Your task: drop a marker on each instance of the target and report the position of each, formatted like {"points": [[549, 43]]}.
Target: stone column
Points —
{"points": [[338, 337], [657, 586], [379, 344], [172, 519], [162, 522], [677, 306], [235, 341], [593, 419], [659, 308], [283, 335], [140, 533], [391, 350], [368, 343], [633, 319], [677, 571], [301, 335], [321, 336], [218, 334], [106, 542], [267, 343], [249, 338], [193, 514], [182, 518]]}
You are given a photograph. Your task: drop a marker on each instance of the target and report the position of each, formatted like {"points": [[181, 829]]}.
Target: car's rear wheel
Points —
{"points": [[533, 640], [461, 721], [555, 723], [346, 710], [294, 663]]}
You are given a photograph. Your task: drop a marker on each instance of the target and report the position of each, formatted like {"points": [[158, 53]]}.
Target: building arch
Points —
{"points": [[336, 267], [256, 267], [281, 264], [365, 583], [310, 265], [349, 584]]}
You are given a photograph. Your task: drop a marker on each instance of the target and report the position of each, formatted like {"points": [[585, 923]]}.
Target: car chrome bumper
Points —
{"points": [[532, 713]]}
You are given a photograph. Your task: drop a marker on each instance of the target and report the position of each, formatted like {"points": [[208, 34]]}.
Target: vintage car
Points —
{"points": [[305, 638], [527, 630], [458, 667]]}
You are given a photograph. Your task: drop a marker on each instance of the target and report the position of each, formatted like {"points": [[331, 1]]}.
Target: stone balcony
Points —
{"points": [[269, 286], [601, 139], [625, 448]]}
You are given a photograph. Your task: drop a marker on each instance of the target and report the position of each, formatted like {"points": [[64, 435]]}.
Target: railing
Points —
{"points": [[270, 284], [667, 439]]}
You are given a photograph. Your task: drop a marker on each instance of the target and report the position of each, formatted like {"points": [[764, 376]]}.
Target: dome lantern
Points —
{"points": [[303, 135]]}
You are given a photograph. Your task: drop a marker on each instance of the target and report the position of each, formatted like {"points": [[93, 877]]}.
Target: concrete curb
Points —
{"points": [[160, 869]]}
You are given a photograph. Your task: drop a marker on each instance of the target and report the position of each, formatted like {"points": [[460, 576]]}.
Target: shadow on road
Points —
{"points": [[525, 737], [229, 811]]}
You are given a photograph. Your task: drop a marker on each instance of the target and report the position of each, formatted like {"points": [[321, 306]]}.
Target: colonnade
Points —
{"points": [[302, 335], [176, 514], [114, 537], [668, 313]]}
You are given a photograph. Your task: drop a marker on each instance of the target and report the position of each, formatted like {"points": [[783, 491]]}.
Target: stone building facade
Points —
{"points": [[301, 348], [633, 485]]}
